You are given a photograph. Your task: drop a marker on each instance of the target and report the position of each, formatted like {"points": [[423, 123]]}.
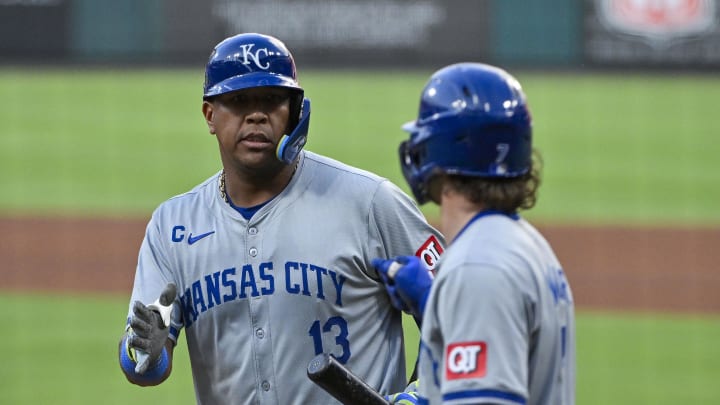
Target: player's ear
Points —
{"points": [[209, 114]]}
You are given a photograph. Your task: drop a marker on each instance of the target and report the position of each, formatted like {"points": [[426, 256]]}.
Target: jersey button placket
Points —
{"points": [[252, 231], [262, 344]]}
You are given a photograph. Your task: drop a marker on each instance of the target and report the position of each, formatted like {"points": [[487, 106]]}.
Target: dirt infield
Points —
{"points": [[649, 269]]}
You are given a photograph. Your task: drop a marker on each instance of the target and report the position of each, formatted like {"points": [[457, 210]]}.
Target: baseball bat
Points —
{"points": [[336, 379]]}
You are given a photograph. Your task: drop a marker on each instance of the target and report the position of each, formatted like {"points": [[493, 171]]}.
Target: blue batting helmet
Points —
{"points": [[255, 60], [473, 121]]}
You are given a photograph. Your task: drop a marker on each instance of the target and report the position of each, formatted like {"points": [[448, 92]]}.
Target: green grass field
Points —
{"points": [[622, 148], [62, 350], [626, 148]]}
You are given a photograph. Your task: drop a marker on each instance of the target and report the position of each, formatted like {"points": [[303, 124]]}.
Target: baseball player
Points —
{"points": [[497, 318], [267, 263]]}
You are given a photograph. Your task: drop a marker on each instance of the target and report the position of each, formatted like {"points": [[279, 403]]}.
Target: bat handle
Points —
{"points": [[341, 383]]}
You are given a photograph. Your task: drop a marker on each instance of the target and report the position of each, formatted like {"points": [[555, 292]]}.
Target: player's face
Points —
{"points": [[249, 124]]}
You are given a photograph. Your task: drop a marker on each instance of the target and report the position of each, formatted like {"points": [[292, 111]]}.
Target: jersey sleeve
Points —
{"points": [[398, 228], [485, 316], [153, 273]]}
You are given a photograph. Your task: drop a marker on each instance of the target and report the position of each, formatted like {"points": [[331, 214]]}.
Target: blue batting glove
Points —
{"points": [[407, 281], [403, 398], [395, 299]]}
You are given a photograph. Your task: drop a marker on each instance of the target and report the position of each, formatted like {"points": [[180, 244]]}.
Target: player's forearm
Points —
{"points": [[151, 377]]}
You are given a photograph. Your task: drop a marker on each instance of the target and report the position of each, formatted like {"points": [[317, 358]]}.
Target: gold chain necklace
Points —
{"points": [[223, 195], [221, 186]]}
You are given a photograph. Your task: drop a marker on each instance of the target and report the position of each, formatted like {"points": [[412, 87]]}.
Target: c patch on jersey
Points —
{"points": [[466, 360], [430, 252]]}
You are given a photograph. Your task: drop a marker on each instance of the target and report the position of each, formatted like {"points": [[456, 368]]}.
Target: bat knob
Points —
{"points": [[318, 364]]}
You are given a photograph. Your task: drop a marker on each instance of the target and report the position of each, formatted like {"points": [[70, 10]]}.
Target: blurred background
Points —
{"points": [[100, 122], [656, 34]]}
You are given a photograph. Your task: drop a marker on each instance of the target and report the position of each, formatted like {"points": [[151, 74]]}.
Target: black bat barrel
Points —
{"points": [[341, 383]]}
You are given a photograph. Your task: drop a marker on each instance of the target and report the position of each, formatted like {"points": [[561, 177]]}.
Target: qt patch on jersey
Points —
{"points": [[466, 360], [430, 252]]}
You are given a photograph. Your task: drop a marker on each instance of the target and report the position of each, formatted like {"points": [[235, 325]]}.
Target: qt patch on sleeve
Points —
{"points": [[466, 360], [430, 252]]}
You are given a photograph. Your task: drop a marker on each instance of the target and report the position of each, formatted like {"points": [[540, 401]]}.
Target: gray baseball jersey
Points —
{"points": [[499, 323], [259, 298]]}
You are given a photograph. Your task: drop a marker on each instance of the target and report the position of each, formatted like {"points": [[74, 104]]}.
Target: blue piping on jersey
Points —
{"points": [[478, 394], [174, 332], [514, 216]]}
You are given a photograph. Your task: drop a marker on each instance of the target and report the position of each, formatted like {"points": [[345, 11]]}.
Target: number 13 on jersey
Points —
{"points": [[336, 327]]}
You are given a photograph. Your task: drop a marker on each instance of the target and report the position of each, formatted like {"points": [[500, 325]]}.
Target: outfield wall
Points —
{"points": [[370, 33]]}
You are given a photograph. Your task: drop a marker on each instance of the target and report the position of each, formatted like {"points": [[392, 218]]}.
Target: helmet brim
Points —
{"points": [[251, 80]]}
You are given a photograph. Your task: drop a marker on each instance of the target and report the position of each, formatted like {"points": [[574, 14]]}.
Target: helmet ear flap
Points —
{"points": [[290, 145], [411, 163]]}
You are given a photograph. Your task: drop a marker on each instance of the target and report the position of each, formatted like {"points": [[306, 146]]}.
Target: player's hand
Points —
{"points": [[149, 329], [408, 282], [407, 397]]}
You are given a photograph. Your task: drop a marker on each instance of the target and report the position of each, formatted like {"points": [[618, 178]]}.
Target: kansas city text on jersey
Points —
{"points": [[241, 283]]}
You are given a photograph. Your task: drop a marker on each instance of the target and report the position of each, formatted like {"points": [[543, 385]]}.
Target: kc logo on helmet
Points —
{"points": [[466, 360], [248, 55], [430, 252]]}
